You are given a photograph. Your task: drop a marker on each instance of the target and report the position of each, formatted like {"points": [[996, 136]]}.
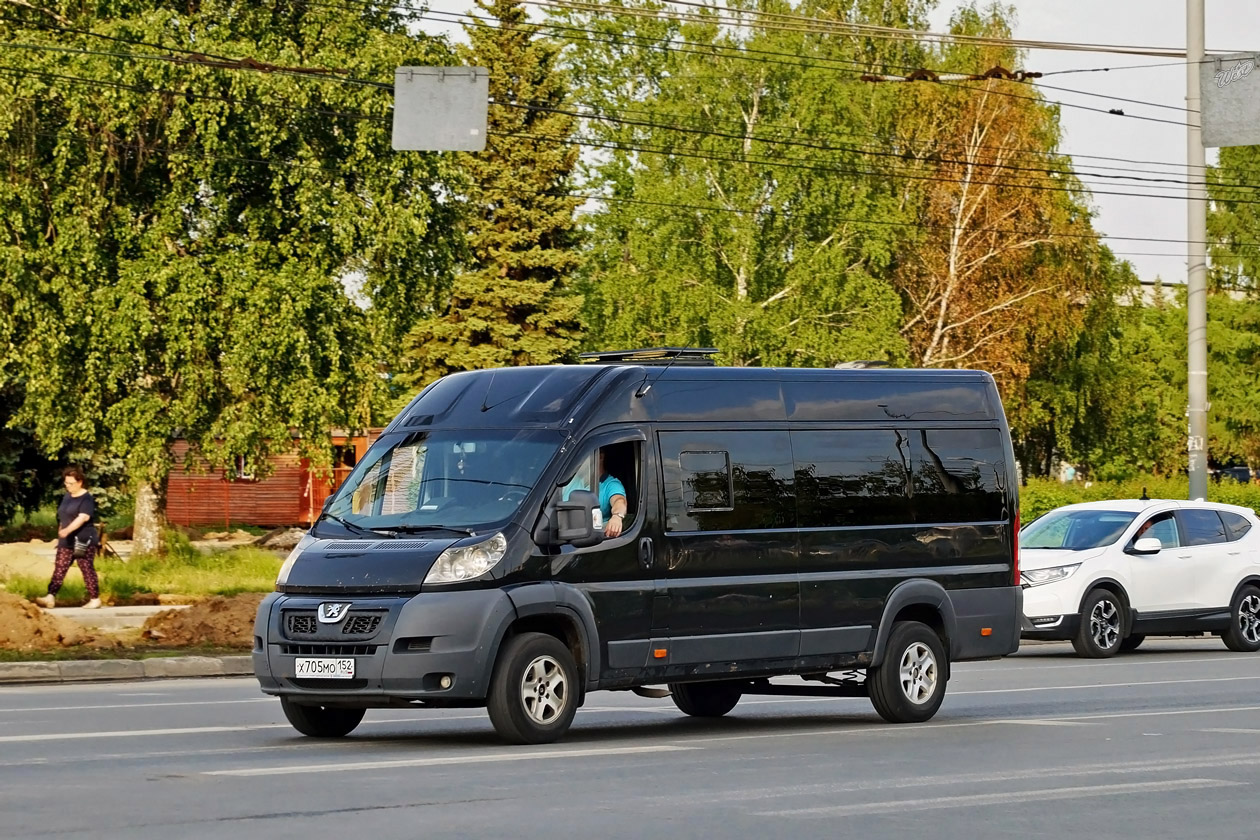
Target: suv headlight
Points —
{"points": [[1036, 577], [468, 561]]}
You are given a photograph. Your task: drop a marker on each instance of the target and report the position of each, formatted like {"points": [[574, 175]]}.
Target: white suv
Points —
{"points": [[1105, 575]]}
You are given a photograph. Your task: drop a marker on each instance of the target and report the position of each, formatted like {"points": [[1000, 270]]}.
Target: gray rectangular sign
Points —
{"points": [[441, 109], [1230, 89]]}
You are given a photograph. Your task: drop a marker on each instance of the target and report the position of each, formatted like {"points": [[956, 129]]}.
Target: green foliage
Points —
{"points": [[175, 237], [1041, 495], [1234, 220], [510, 304]]}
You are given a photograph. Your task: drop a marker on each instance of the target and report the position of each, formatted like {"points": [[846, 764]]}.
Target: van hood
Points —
{"points": [[1046, 558], [319, 566]]}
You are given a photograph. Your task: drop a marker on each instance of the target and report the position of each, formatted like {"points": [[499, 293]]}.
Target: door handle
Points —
{"points": [[645, 552]]}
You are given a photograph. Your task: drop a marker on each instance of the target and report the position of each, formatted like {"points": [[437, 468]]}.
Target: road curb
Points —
{"points": [[88, 670]]}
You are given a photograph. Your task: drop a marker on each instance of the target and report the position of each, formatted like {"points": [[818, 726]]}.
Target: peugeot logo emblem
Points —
{"points": [[332, 613]]}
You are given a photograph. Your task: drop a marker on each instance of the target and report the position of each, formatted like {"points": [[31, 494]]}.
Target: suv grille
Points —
{"points": [[361, 625]]}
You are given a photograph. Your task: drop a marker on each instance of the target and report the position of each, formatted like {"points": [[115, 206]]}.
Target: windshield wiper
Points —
{"points": [[418, 529], [367, 532]]}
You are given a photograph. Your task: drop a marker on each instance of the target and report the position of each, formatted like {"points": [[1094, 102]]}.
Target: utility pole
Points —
{"points": [[1196, 235]]}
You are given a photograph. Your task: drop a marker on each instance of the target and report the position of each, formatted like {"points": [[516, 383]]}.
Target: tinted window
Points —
{"points": [[1203, 527], [958, 475], [851, 478], [880, 398], [1237, 525], [750, 471]]}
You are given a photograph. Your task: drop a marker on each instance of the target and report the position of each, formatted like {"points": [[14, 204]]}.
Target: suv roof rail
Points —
{"points": [[654, 356]]}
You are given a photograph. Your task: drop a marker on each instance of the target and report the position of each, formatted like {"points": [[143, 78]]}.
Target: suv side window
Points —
{"points": [[1162, 527], [1236, 524], [1203, 527]]}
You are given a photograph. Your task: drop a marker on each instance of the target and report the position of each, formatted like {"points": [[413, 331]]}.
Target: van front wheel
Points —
{"points": [[909, 685], [705, 699], [534, 690], [321, 721]]}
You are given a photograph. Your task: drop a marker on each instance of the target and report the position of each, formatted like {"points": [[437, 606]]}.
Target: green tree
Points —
{"points": [[178, 230], [510, 305]]}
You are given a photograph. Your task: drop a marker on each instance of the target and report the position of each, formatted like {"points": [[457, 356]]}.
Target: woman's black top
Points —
{"points": [[70, 508]]}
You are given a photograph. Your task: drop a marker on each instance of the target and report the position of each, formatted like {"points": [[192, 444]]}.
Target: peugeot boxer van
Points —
{"points": [[852, 531]]}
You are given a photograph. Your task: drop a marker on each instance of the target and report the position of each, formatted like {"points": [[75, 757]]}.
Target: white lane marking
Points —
{"points": [[135, 705], [439, 761], [1006, 798], [859, 729], [1141, 661], [1100, 685], [1036, 722], [1161, 765], [1234, 731], [135, 733]]}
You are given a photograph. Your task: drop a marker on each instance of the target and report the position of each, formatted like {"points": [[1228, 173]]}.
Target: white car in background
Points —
{"points": [[1105, 575]]}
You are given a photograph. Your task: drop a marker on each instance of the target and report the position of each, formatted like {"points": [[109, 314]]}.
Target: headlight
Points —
{"points": [[467, 562], [1036, 577], [283, 577]]}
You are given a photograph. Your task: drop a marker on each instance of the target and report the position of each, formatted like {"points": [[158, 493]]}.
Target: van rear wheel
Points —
{"points": [[705, 699], [909, 686], [534, 690], [321, 721]]}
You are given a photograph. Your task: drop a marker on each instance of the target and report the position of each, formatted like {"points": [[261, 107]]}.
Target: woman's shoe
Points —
{"points": [[46, 601], [94, 604]]}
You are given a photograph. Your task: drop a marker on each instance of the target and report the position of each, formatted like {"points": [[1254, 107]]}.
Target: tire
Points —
{"points": [[709, 700], [321, 721], [534, 690], [1132, 642], [909, 685], [1102, 625], [1243, 634]]}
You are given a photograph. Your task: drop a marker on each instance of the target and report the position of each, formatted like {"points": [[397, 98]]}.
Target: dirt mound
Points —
{"points": [[219, 621], [24, 626]]}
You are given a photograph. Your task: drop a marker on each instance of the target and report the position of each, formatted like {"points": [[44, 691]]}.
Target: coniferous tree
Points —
{"points": [[511, 305]]}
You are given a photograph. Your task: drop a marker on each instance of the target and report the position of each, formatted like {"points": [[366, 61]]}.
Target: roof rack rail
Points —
{"points": [[654, 356]]}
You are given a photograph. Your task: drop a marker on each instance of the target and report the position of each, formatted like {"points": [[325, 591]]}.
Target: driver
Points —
{"points": [[612, 497]]}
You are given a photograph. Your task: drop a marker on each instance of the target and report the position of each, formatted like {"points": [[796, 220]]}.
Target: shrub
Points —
{"points": [[1041, 495]]}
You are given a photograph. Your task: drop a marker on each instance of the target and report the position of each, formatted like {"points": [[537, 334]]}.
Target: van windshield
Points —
{"points": [[1076, 530], [456, 479]]}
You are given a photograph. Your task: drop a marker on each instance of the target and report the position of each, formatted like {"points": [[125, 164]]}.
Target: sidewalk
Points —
{"points": [[111, 619]]}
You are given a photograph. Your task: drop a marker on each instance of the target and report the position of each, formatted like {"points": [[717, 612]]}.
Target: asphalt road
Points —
{"points": [[1164, 742]]}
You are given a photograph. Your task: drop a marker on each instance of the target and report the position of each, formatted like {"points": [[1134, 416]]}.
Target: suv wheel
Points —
{"points": [[1102, 625], [1243, 634], [321, 721], [909, 686], [705, 699], [534, 690]]}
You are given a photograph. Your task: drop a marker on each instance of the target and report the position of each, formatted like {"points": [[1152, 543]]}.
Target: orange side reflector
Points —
{"points": [[986, 631], [659, 653]]}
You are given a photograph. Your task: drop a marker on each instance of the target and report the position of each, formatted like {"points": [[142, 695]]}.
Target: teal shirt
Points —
{"points": [[608, 487]]}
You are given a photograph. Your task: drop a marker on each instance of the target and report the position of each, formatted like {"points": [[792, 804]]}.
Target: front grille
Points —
{"points": [[361, 625], [328, 650], [344, 685], [300, 624]]}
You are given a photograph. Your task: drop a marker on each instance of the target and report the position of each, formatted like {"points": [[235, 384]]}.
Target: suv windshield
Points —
{"points": [[455, 479], [1076, 530]]}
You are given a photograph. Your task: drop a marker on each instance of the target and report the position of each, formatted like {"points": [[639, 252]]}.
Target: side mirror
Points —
{"points": [[571, 521], [1148, 545]]}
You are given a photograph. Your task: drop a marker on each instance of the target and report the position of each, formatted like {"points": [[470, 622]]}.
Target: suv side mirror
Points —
{"points": [[570, 521], [1147, 545]]}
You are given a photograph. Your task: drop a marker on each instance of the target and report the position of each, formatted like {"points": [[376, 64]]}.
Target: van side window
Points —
{"points": [[957, 475], [851, 477], [727, 481]]}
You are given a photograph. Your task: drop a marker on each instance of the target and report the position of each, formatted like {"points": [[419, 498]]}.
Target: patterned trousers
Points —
{"points": [[87, 565]]}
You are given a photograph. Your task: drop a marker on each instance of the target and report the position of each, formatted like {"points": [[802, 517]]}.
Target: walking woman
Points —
{"points": [[77, 539]]}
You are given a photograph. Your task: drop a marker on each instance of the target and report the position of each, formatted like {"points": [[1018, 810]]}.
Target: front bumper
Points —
{"points": [[402, 646], [1050, 627]]}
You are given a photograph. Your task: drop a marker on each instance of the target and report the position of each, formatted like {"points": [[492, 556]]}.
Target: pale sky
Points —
{"points": [[1232, 25]]}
